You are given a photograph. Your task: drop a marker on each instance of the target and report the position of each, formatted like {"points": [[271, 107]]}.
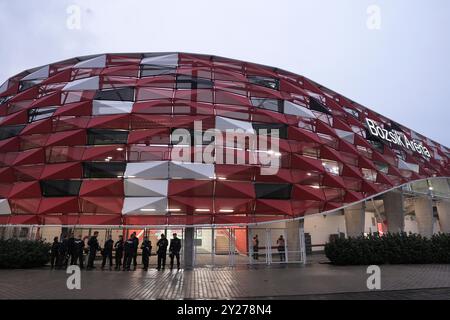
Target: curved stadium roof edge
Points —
{"points": [[92, 120]]}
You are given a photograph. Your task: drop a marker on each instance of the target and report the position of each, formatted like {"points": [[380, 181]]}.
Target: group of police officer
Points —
{"points": [[71, 250]]}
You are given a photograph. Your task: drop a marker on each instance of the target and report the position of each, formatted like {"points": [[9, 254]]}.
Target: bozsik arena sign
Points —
{"points": [[396, 138]]}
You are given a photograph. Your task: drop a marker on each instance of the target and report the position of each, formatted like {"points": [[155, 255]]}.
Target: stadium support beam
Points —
{"points": [[355, 219], [423, 207], [189, 233], [394, 211], [443, 209]]}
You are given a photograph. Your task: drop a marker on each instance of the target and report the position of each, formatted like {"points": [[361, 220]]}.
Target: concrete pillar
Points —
{"points": [[188, 249], [355, 219], [423, 207], [394, 211], [443, 209]]}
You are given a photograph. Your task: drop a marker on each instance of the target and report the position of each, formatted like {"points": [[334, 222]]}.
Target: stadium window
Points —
{"points": [[188, 82], [316, 105], [276, 191], [60, 188], [27, 84], [40, 113], [353, 113], [268, 104], [151, 71], [10, 131], [267, 82], [120, 94], [103, 137], [104, 169], [271, 127]]}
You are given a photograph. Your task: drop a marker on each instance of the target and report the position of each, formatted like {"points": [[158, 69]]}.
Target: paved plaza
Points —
{"points": [[313, 281]]}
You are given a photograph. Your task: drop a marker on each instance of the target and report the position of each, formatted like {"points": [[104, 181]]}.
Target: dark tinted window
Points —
{"points": [[40, 113], [271, 127], [101, 137], [10, 131], [188, 82], [27, 84], [122, 94], [316, 105], [267, 82], [150, 71], [280, 191], [104, 169], [60, 188], [268, 104]]}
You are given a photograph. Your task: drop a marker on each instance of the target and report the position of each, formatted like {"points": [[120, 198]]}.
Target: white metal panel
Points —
{"points": [[296, 110], [42, 73], [4, 207], [145, 205], [148, 170], [4, 86], [102, 107], [92, 83], [164, 60], [227, 123], [407, 166], [97, 62]]}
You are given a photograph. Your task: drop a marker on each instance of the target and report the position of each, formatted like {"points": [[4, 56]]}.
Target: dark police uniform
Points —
{"points": [[119, 253], [70, 248], [54, 254], [129, 251], [107, 252], [93, 248], [78, 248], [135, 247], [146, 252], [162, 252], [174, 251], [62, 256]]}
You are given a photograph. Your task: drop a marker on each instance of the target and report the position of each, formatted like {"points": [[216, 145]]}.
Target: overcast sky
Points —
{"points": [[391, 56]]}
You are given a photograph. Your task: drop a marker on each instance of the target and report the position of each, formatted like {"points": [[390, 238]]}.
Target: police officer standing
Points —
{"points": [[135, 246], [174, 251], [107, 252], [162, 251], [62, 256], [71, 247], [119, 252], [129, 251], [146, 252], [78, 248], [54, 253], [93, 248]]}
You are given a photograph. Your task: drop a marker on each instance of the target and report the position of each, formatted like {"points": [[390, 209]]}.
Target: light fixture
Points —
{"points": [[119, 149], [110, 158], [148, 210], [309, 174], [222, 178], [316, 187], [107, 160], [173, 210], [131, 176], [201, 210], [226, 210], [430, 188]]}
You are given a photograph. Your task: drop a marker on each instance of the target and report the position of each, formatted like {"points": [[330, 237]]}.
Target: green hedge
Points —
{"points": [[398, 248], [16, 254]]}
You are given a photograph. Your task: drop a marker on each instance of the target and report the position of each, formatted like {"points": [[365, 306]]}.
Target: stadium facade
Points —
{"points": [[94, 143]]}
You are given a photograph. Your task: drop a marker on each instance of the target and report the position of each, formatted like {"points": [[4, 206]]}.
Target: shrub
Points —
{"points": [[16, 254], [392, 248]]}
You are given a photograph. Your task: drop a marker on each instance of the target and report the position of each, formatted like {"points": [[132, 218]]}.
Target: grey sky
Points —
{"points": [[400, 71]]}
